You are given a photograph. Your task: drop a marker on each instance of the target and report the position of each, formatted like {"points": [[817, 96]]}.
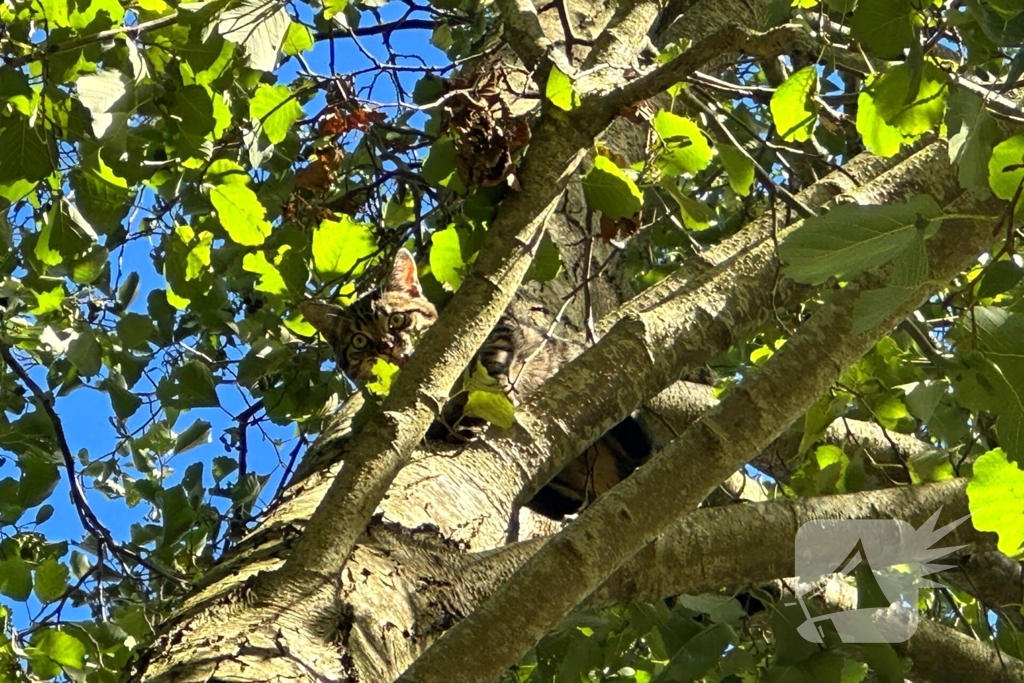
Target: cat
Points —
{"points": [[386, 324]]}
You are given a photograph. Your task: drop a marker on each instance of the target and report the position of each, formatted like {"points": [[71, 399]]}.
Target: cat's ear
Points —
{"points": [[328, 319], [403, 275]]}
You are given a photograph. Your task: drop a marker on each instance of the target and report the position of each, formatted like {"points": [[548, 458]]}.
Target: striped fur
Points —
{"points": [[387, 322]]}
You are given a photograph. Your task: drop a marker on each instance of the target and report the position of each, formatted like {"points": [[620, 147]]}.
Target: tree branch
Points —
{"points": [[385, 29], [90, 522], [59, 48], [527, 38], [754, 542], [621, 522], [940, 654], [704, 317], [373, 457]]}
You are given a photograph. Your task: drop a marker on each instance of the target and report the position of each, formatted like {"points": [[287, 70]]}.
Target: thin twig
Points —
{"points": [[86, 515]]}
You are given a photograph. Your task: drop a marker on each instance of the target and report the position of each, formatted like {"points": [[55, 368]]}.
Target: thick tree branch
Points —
{"points": [[673, 410], [754, 542], [622, 39], [729, 39], [622, 521], [382, 448], [595, 391], [527, 38], [940, 654]]}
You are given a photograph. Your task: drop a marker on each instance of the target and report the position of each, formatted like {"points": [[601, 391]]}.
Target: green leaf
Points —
{"points": [[297, 40], [51, 580], [80, 563], [793, 107], [695, 215], [684, 149], [103, 197], [226, 172], [851, 239], [611, 191], [135, 331], [385, 372], [260, 27], [38, 478], [193, 110], [342, 247], [739, 167], [333, 8], [48, 302], [178, 515], [26, 152], [270, 280], [875, 305], [107, 94], [274, 109], [65, 234], [560, 92], [399, 212], [879, 137], [128, 289], [999, 277], [547, 263], [972, 135], [241, 214], [96, 15], [924, 113], [59, 648], [452, 251], [790, 646], [198, 433], [491, 406], [222, 467], [884, 27], [930, 466], [884, 661], [996, 497], [189, 386], [991, 379], [88, 267], [53, 12], [10, 510], [1006, 167], [44, 513], [86, 354], [722, 609], [15, 579], [909, 271], [197, 263], [698, 655], [439, 166]]}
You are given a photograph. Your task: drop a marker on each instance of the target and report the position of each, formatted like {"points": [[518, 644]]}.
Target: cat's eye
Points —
{"points": [[359, 341], [398, 321]]}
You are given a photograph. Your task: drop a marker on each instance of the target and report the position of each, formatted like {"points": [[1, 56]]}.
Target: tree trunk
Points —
{"points": [[438, 543]]}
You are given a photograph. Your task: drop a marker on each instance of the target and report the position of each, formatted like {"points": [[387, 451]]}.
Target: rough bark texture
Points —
{"points": [[377, 548]]}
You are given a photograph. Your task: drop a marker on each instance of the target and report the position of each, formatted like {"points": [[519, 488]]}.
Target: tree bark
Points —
{"points": [[385, 561]]}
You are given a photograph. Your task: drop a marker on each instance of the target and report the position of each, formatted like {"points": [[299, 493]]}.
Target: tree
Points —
{"points": [[786, 232]]}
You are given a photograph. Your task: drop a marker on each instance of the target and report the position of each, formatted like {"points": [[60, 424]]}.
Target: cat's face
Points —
{"points": [[384, 324]]}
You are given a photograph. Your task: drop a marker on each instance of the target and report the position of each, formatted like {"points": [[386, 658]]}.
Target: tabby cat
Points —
{"points": [[387, 322]]}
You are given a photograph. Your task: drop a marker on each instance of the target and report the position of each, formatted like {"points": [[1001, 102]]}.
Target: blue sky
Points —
{"points": [[86, 413]]}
